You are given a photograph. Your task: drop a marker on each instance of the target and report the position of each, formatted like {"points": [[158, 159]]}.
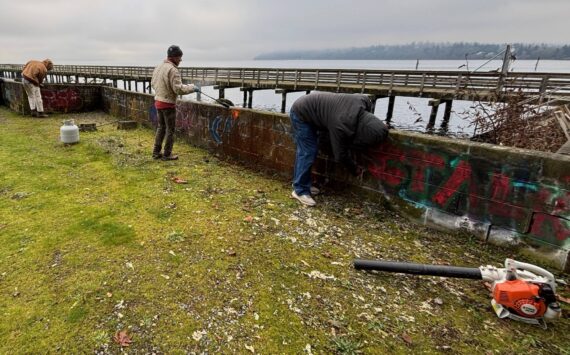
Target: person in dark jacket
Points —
{"points": [[349, 123]]}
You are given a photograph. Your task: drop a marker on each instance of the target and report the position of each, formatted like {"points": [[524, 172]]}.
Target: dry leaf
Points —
{"points": [[179, 180], [407, 339], [248, 218], [122, 338]]}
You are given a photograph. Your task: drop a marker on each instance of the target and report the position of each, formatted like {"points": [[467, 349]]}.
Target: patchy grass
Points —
{"points": [[96, 238]]}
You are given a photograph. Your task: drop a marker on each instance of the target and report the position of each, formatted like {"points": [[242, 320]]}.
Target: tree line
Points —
{"points": [[421, 50]]}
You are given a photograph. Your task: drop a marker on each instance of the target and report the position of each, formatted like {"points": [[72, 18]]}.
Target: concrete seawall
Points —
{"points": [[56, 98], [502, 195]]}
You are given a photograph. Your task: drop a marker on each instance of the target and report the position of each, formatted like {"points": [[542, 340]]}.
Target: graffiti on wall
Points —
{"points": [[219, 126], [511, 197], [134, 106], [67, 99], [153, 115], [243, 135], [207, 122]]}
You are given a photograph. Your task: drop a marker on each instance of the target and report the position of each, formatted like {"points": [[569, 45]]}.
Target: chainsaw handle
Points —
{"points": [[511, 263]]}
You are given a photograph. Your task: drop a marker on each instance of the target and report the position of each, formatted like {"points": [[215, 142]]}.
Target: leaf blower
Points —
{"points": [[521, 291]]}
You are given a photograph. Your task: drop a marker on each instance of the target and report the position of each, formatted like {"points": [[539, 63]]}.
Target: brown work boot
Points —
{"points": [[34, 113], [42, 115]]}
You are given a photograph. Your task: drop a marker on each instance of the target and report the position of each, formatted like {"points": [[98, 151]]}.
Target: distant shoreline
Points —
{"points": [[427, 51]]}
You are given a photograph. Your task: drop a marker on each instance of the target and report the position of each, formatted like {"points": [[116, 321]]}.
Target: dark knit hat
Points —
{"points": [[174, 51]]}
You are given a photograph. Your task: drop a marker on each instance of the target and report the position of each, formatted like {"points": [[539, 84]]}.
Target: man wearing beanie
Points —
{"points": [[349, 123], [33, 75], [167, 84]]}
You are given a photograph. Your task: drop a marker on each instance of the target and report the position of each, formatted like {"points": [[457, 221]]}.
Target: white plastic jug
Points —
{"points": [[69, 132]]}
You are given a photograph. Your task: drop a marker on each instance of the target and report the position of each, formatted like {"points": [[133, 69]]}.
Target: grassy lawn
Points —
{"points": [[96, 239]]}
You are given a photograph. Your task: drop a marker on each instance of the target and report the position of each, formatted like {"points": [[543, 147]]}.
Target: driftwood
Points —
{"points": [[127, 125], [563, 117], [87, 127]]}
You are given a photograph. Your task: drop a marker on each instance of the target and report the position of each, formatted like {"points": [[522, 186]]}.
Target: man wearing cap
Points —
{"points": [[350, 125], [167, 84], [33, 75]]}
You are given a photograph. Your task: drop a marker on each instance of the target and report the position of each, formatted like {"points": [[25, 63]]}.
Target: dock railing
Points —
{"points": [[419, 83]]}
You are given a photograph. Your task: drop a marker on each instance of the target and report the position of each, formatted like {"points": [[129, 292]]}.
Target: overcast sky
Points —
{"points": [[137, 32]]}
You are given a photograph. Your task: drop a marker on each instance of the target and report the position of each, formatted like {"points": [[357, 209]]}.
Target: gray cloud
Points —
{"points": [[139, 31]]}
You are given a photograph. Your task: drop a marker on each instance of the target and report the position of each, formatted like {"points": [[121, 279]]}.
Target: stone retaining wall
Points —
{"points": [[60, 98]]}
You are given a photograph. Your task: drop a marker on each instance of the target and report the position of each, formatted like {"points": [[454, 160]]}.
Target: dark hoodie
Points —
{"points": [[346, 117]]}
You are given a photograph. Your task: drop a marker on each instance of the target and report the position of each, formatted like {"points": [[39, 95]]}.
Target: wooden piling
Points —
{"points": [[446, 115], [373, 99], [434, 107], [390, 112], [283, 101], [250, 98]]}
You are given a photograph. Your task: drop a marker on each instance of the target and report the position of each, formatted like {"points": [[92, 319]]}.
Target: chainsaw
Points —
{"points": [[521, 291]]}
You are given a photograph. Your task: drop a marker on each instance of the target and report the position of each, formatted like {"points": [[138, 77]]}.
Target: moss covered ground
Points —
{"points": [[99, 246]]}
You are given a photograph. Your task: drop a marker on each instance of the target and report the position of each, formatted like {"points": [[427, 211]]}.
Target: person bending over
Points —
{"points": [[33, 75], [349, 123]]}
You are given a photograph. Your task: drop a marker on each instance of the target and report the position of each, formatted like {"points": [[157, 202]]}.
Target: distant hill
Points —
{"points": [[427, 51]]}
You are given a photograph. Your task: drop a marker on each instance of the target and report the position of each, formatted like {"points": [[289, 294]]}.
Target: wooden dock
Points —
{"points": [[440, 86]]}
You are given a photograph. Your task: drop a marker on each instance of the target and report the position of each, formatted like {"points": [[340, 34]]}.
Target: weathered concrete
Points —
{"points": [[61, 98], [131, 105], [503, 195]]}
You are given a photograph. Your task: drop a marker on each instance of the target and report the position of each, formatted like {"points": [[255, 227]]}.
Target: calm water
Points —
{"points": [[409, 113]]}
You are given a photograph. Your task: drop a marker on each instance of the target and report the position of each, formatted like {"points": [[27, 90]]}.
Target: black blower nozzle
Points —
{"points": [[419, 269]]}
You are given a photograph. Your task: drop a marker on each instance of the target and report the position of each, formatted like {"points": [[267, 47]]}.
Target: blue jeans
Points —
{"points": [[306, 140]]}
